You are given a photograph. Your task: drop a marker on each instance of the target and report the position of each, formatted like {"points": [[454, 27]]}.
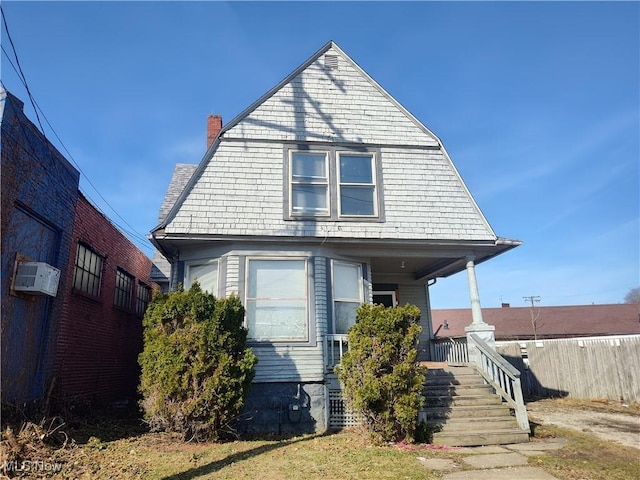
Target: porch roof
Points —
{"points": [[417, 260]]}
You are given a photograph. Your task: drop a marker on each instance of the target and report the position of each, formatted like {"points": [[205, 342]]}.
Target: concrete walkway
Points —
{"points": [[505, 462]]}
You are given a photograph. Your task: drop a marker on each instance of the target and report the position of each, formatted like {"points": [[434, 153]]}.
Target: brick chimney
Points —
{"points": [[214, 125]]}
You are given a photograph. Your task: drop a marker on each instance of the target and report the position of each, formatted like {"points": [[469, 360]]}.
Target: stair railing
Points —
{"points": [[503, 377]]}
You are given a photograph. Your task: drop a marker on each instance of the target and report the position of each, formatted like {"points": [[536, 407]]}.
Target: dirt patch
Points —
{"points": [[608, 425]]}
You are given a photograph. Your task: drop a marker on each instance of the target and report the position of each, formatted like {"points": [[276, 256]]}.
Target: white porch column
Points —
{"points": [[481, 329]]}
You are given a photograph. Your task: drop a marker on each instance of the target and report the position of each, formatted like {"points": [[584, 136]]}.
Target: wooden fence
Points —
{"points": [[605, 367]]}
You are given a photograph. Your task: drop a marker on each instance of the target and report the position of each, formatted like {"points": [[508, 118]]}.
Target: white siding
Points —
{"points": [[232, 284]]}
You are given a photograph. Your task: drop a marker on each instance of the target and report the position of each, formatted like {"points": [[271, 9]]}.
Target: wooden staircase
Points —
{"points": [[462, 410]]}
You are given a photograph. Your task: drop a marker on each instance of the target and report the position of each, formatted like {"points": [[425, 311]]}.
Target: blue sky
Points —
{"points": [[538, 105]]}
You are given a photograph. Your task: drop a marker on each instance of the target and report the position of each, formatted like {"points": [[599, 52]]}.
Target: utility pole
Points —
{"points": [[534, 314]]}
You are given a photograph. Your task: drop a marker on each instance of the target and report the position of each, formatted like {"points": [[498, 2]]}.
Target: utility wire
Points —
{"points": [[19, 70], [36, 107]]}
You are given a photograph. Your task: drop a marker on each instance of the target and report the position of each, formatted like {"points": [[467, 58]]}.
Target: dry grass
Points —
{"points": [[586, 457], [122, 450], [596, 405]]}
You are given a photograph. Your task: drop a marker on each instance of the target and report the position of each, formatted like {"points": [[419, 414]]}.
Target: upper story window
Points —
{"points": [[88, 271], [332, 184], [357, 185], [276, 299], [206, 273], [142, 302], [124, 289], [309, 183]]}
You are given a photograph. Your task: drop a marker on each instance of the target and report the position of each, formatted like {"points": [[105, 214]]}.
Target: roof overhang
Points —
{"points": [[421, 260]]}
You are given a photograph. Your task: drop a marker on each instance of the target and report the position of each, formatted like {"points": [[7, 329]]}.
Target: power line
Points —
{"points": [[36, 107]]}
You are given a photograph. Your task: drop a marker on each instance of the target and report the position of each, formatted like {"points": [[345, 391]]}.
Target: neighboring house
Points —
{"points": [[324, 194], [81, 339], [526, 323], [161, 270], [108, 290]]}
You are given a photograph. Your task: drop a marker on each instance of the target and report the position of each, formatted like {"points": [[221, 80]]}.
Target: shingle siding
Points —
{"points": [[242, 193], [337, 105]]}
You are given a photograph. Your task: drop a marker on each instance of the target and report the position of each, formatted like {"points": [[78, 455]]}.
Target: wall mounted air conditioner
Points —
{"points": [[37, 278]]}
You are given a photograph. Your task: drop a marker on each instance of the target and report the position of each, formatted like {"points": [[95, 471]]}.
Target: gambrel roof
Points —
{"points": [[237, 189]]}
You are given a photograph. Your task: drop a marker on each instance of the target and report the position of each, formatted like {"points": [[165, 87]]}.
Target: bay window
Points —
{"points": [[205, 273], [276, 299], [347, 294]]}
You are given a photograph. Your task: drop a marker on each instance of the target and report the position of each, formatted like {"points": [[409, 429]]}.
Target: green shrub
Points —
{"points": [[196, 368], [381, 377]]}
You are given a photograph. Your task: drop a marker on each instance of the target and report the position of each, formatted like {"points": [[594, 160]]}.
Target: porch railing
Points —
{"points": [[451, 350], [335, 346], [503, 377]]}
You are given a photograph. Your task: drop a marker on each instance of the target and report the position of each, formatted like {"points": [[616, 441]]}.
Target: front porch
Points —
{"points": [[474, 396]]}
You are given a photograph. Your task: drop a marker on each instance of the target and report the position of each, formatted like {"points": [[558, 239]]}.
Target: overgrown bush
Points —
{"points": [[381, 377], [196, 368]]}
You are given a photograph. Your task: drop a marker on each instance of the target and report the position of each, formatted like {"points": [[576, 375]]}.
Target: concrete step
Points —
{"points": [[486, 437]]}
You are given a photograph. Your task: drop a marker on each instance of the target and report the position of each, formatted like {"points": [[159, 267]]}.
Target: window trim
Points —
{"points": [[98, 276], [332, 154], [335, 298], [196, 263], [309, 312]]}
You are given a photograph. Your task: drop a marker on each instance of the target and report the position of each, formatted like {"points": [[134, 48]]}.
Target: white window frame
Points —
{"points": [[247, 298], [373, 184], [391, 293], [326, 184], [334, 204], [199, 263], [335, 295]]}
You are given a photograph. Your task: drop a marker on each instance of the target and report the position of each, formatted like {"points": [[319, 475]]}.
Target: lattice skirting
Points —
{"points": [[339, 415]]}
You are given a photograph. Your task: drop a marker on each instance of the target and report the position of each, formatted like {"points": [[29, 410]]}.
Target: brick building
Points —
{"points": [[100, 337], [84, 338]]}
